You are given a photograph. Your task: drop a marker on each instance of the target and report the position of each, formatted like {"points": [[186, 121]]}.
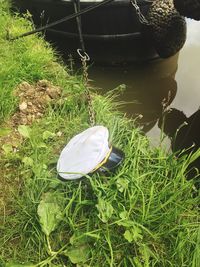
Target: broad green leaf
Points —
{"points": [[137, 233], [122, 184], [47, 135], [50, 212], [78, 238], [105, 210], [7, 148], [123, 215], [126, 223], [146, 253], [4, 132], [128, 236], [133, 234], [81, 238], [24, 131], [78, 254], [41, 145], [28, 161]]}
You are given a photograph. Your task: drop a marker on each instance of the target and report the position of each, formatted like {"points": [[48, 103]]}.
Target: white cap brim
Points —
{"points": [[83, 153]]}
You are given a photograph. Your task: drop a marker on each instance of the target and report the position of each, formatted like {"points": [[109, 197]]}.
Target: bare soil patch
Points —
{"points": [[33, 102]]}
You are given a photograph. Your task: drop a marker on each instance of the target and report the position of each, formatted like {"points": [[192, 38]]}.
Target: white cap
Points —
{"points": [[83, 153]]}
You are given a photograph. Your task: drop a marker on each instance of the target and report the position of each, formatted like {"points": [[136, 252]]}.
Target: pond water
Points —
{"points": [[174, 82]]}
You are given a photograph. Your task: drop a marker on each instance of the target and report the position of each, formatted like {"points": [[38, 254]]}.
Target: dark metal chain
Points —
{"points": [[84, 58], [141, 17]]}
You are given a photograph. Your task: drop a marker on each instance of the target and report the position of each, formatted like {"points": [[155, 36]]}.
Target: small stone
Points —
{"points": [[43, 84], [59, 134], [39, 114], [53, 92], [23, 106], [140, 116]]}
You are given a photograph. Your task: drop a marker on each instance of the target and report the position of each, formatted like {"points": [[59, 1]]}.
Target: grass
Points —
{"points": [[29, 59], [144, 214]]}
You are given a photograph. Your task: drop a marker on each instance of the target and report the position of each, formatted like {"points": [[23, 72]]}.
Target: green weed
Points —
{"points": [[144, 214]]}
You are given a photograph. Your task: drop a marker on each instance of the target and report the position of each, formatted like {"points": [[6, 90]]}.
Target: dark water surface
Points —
{"points": [[174, 82]]}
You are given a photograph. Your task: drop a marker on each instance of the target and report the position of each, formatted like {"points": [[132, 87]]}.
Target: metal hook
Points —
{"points": [[83, 54]]}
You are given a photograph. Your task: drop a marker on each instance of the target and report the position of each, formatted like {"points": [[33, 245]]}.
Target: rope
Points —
{"points": [[72, 16], [79, 24]]}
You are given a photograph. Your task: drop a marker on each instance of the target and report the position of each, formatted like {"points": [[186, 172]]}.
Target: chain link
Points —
{"points": [[141, 17], [84, 58]]}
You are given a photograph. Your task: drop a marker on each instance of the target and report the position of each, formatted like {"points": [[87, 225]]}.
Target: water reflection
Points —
{"points": [[174, 80], [185, 136], [187, 76], [182, 122], [148, 87]]}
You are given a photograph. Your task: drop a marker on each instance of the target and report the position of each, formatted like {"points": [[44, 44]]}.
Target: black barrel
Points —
{"points": [[112, 33]]}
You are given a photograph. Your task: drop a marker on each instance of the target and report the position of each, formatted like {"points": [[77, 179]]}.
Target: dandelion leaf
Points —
{"points": [[78, 254], [105, 210], [50, 212], [24, 131]]}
